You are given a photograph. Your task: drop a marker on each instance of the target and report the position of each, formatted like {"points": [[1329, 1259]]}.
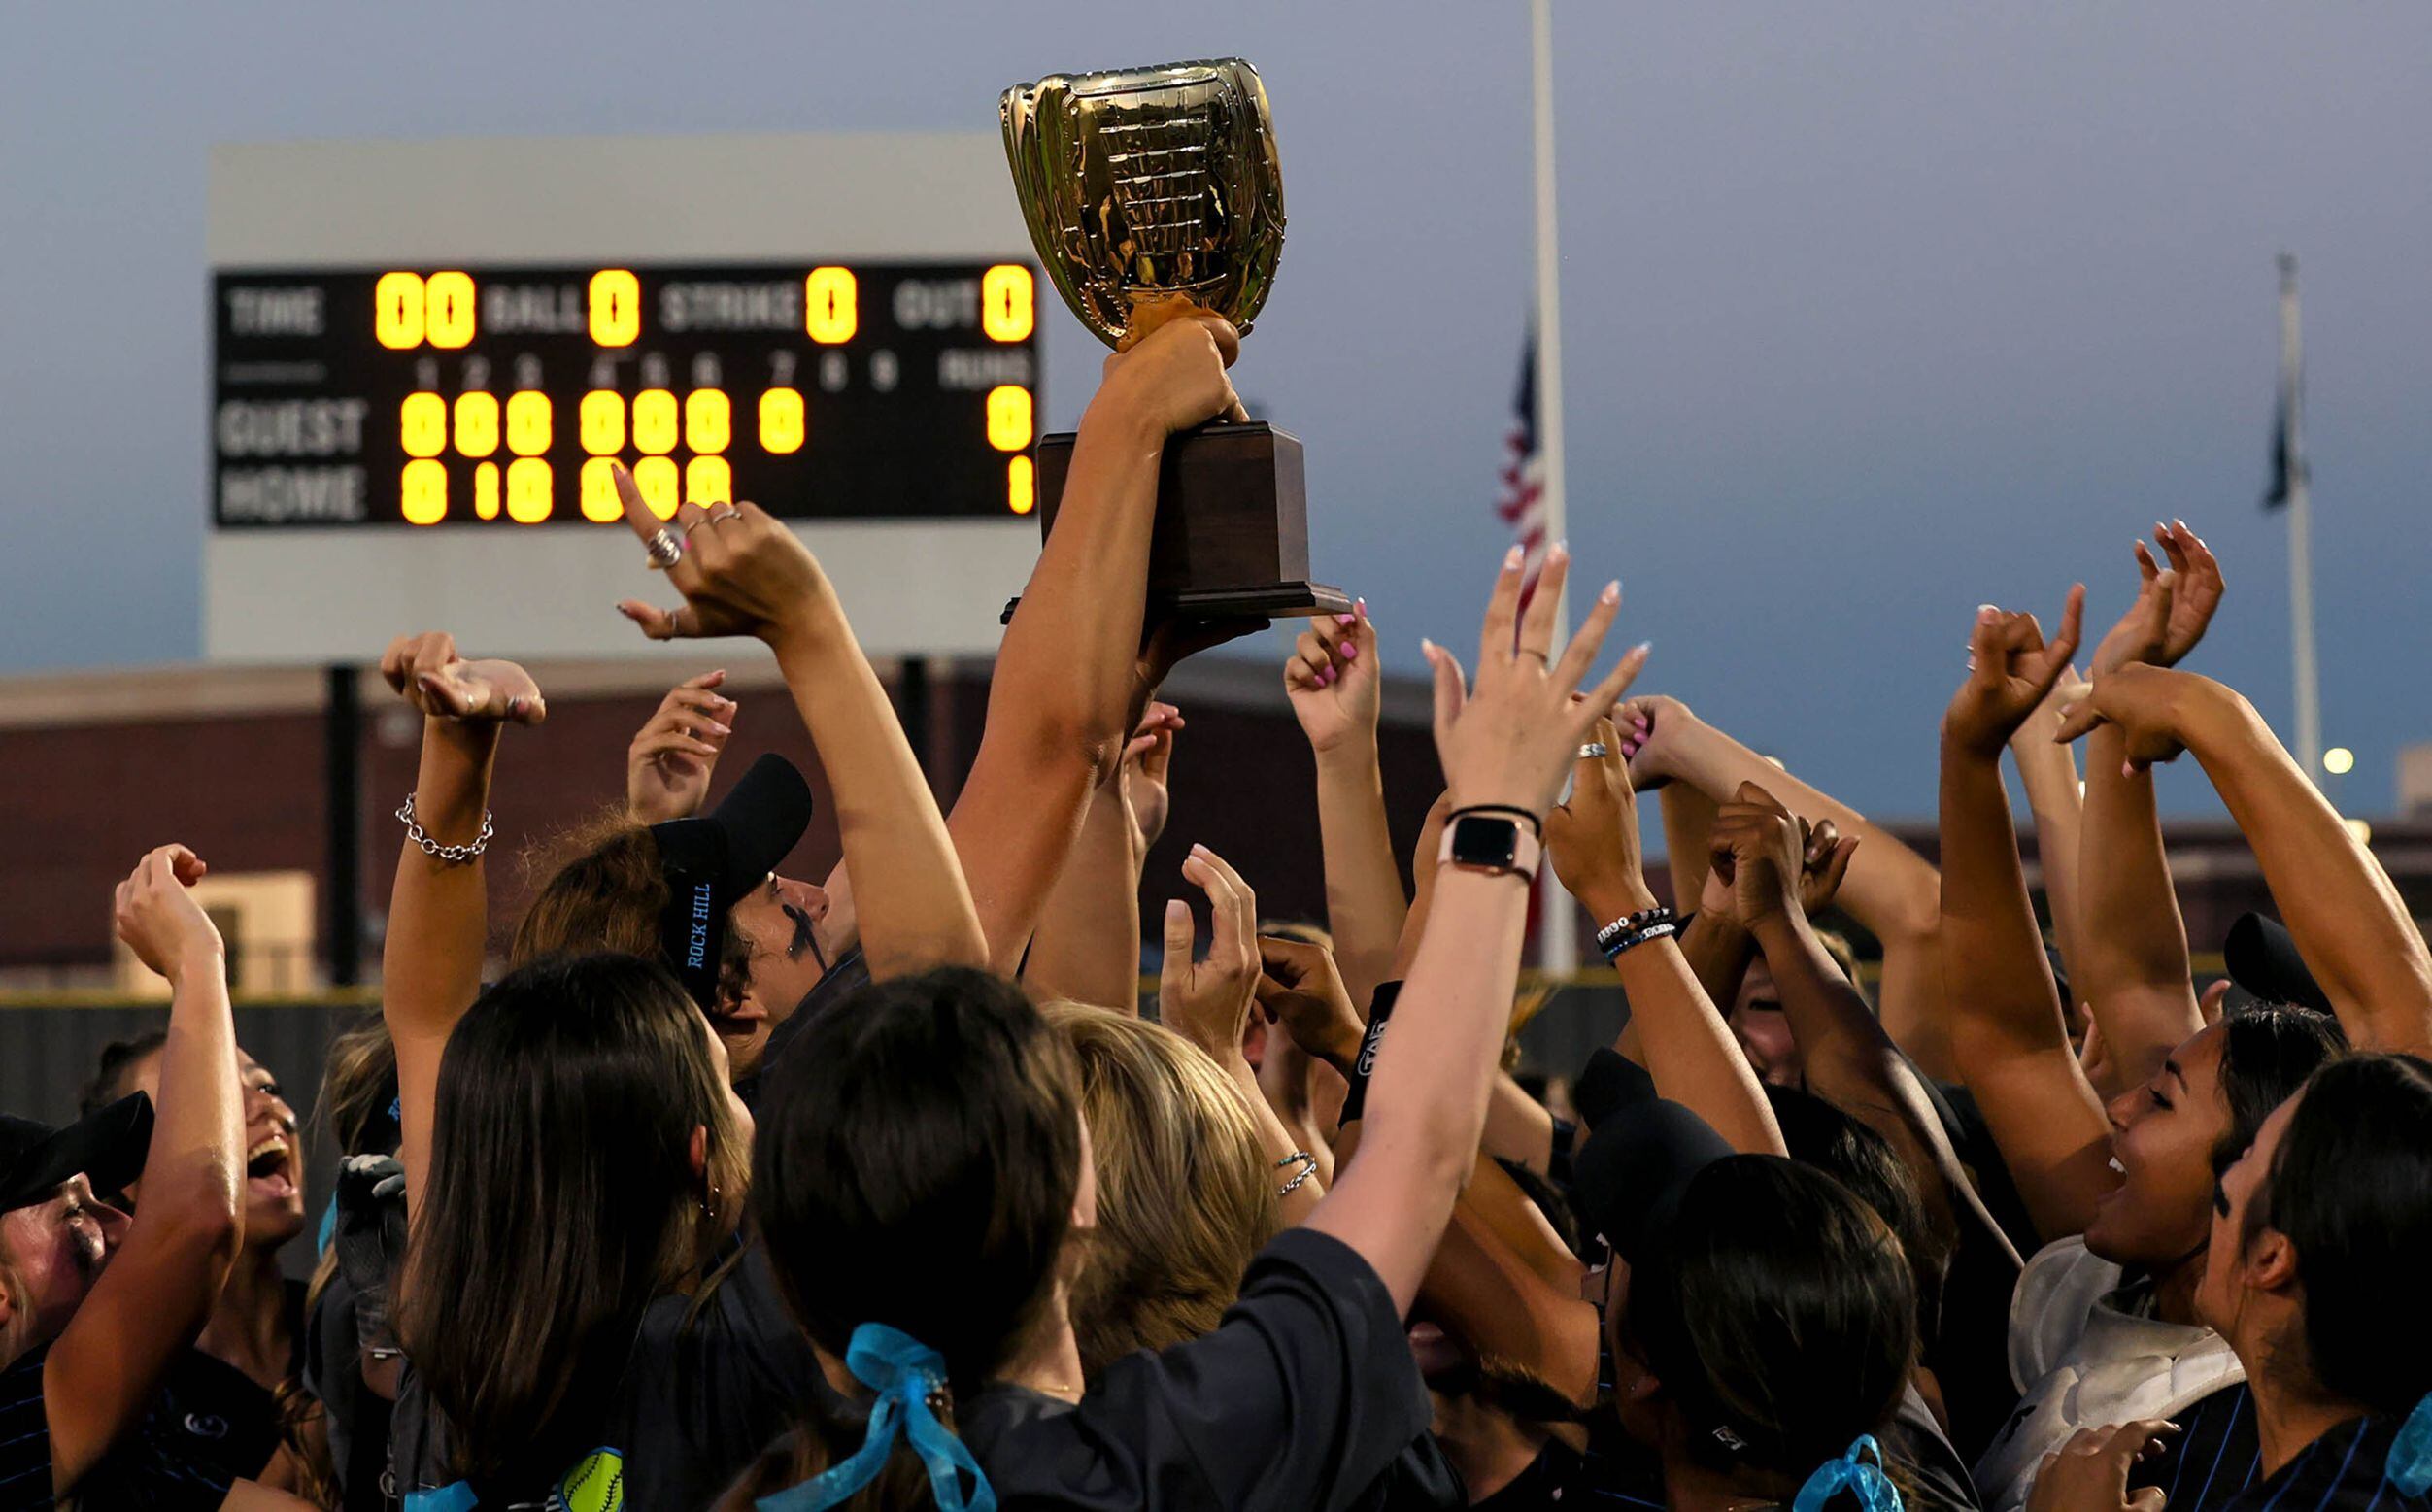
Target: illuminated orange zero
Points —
{"points": [[422, 425], [831, 305], [1008, 417], [477, 423], [600, 491], [655, 477], [1021, 485], [397, 310], [486, 492], [655, 422], [602, 419], [616, 308], [528, 489], [423, 493], [781, 421], [708, 420], [448, 317], [1006, 308], [708, 480], [528, 430]]}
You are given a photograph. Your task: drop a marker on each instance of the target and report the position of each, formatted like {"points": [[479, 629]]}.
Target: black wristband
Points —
{"points": [[1380, 1008], [1634, 930]]}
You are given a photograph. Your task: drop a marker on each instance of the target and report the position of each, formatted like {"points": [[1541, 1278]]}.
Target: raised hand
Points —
{"points": [[1207, 1002], [1171, 372], [668, 766], [1333, 679], [1594, 838], [160, 919], [1300, 987], [2010, 667], [1510, 742], [2146, 703], [1147, 759], [425, 671], [1769, 860], [2172, 608], [740, 572], [1651, 728]]}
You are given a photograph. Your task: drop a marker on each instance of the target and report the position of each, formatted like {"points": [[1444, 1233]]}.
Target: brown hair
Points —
{"points": [[561, 1202], [600, 887], [1185, 1196]]}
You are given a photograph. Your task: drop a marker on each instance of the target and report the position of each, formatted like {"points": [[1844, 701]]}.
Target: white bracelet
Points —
{"points": [[452, 854]]}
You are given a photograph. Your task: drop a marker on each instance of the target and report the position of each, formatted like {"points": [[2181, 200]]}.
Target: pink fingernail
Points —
{"points": [[1359, 608], [1350, 652], [1346, 619], [1326, 677], [1511, 560], [720, 728]]}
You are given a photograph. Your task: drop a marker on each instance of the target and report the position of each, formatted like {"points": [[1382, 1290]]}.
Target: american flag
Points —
{"points": [[1521, 501]]}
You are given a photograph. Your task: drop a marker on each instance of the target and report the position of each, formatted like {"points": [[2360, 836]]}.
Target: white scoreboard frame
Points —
{"points": [[323, 594]]}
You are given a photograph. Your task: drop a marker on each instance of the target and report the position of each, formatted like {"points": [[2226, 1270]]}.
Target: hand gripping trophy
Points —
{"points": [[1145, 186]]}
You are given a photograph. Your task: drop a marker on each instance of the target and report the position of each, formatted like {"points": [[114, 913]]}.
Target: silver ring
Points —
{"points": [[724, 512], [1594, 751], [665, 548]]}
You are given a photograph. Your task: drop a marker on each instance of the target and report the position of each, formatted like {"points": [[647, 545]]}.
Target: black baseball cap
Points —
{"points": [[2263, 958], [1633, 1170], [712, 861], [107, 1145]]}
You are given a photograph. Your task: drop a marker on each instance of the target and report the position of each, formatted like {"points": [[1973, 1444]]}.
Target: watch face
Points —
{"points": [[1485, 840]]}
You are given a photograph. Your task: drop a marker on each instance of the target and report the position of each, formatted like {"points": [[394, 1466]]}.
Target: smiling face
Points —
{"points": [[274, 1155], [781, 920], [1757, 1021], [2163, 1135], [54, 1249]]}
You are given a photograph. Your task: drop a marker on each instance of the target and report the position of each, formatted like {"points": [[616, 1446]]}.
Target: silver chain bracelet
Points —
{"points": [[452, 854]]}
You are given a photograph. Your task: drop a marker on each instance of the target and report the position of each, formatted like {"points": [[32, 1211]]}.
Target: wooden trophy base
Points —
{"points": [[1232, 537]]}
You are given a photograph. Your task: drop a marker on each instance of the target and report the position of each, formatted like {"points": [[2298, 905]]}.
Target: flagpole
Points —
{"points": [[2300, 531], [1557, 937]]}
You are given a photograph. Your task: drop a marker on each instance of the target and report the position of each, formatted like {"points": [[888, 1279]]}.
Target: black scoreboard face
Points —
{"points": [[498, 397]]}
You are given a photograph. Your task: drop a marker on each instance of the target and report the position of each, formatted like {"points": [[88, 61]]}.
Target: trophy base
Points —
{"points": [[1232, 535]]}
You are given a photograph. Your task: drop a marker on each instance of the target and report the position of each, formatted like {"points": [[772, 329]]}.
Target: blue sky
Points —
{"points": [[1872, 313]]}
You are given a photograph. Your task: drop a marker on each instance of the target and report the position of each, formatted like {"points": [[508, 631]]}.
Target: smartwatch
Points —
{"points": [[1490, 840]]}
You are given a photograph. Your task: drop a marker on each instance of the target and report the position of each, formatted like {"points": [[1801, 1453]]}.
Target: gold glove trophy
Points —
{"points": [[1141, 187]]}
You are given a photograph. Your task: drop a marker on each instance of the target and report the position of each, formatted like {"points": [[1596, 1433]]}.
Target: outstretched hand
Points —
{"points": [[1147, 762], [1510, 742], [2146, 703], [668, 767], [1207, 1002], [1300, 987], [1593, 838], [740, 572], [2010, 667], [157, 916], [427, 672], [1333, 679], [2173, 606]]}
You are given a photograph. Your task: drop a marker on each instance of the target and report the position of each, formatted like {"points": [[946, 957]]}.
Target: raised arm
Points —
{"points": [[148, 1305], [1061, 703], [1088, 944], [1208, 1002], [1504, 749], [743, 573], [2349, 921], [2007, 1030], [1687, 1048], [2132, 968], [1891, 889], [1333, 682], [439, 911], [2048, 769], [669, 762]]}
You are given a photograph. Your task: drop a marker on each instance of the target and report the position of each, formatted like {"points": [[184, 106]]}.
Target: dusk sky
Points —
{"points": [[1872, 313]]}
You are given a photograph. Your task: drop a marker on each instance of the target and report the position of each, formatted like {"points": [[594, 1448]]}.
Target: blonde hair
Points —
{"points": [[1185, 1193]]}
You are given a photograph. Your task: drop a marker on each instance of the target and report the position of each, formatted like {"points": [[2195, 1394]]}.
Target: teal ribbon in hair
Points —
{"points": [[2408, 1466], [905, 1372], [1851, 1474]]}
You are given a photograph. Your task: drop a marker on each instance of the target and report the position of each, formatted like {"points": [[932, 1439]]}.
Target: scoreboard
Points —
{"points": [[497, 396], [427, 355]]}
